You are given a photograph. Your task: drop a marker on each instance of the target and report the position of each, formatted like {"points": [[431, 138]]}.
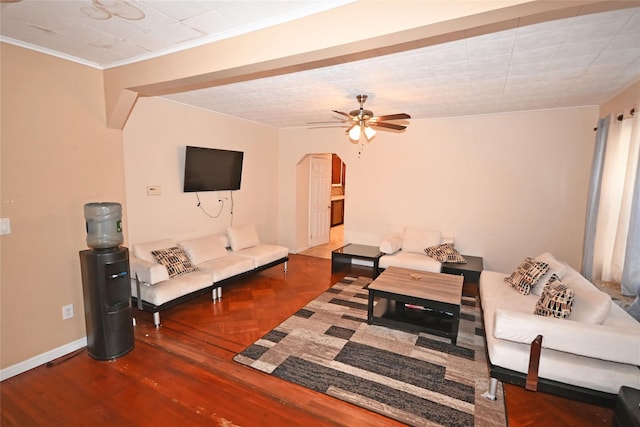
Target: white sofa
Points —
{"points": [[196, 266], [406, 249], [588, 355]]}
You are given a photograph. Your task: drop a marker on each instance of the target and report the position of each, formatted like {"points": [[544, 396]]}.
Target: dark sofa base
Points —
{"points": [[568, 391], [146, 306]]}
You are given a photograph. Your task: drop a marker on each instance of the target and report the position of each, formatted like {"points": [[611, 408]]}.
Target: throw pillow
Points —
{"points": [[590, 305], [175, 260], [555, 267], [391, 244], [445, 253], [204, 248], [416, 239], [556, 300], [527, 275], [241, 237]]}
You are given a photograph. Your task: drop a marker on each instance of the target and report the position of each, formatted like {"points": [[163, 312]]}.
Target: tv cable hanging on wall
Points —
{"points": [[221, 201]]}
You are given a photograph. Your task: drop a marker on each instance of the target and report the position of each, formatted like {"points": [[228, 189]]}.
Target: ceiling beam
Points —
{"points": [[353, 32]]}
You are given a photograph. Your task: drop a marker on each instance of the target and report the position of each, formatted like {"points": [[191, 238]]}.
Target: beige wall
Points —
{"points": [[623, 101], [154, 146], [57, 155], [505, 186]]}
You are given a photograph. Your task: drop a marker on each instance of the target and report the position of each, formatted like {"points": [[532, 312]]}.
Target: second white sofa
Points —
{"points": [[588, 355], [407, 249], [168, 272]]}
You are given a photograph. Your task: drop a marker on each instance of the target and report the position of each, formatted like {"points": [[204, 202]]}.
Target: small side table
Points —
{"points": [[342, 258], [470, 271]]}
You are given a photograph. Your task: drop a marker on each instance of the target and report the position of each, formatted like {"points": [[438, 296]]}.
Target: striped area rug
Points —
{"points": [[416, 378]]}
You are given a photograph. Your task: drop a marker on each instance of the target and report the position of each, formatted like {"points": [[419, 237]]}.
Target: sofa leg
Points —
{"points": [[219, 292], [156, 319], [214, 294], [286, 265], [493, 389]]}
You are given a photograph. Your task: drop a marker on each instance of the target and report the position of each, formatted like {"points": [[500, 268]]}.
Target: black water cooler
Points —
{"points": [[106, 284]]}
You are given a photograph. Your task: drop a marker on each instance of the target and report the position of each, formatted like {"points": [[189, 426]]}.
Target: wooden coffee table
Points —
{"points": [[416, 300]]}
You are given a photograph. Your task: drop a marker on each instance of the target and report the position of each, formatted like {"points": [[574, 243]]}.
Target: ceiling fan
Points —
{"points": [[362, 122]]}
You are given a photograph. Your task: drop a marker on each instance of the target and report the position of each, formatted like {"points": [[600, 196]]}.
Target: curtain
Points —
{"points": [[626, 174], [631, 273], [594, 198], [630, 276], [614, 207]]}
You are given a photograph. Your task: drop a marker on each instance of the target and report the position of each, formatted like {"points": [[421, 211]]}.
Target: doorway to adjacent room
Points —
{"points": [[329, 219]]}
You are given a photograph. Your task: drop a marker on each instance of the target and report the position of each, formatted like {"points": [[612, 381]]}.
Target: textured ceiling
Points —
{"points": [[583, 60]]}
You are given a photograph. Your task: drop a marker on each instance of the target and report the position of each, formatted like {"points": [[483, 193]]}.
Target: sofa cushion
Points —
{"points": [[391, 244], [556, 300], [445, 253], [590, 305], [527, 275], [143, 250], [225, 267], [241, 237], [263, 254], [555, 267], [416, 239], [411, 260], [173, 288], [175, 260], [204, 248]]}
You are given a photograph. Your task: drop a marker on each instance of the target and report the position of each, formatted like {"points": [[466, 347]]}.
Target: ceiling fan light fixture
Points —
{"points": [[354, 133], [369, 132]]}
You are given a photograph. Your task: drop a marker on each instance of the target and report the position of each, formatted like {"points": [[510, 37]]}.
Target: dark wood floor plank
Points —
{"points": [[183, 373]]}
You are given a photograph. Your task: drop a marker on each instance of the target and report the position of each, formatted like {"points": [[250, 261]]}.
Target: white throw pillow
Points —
{"points": [[391, 244], [143, 250], [242, 237], [555, 267], [416, 239], [590, 305], [204, 248]]}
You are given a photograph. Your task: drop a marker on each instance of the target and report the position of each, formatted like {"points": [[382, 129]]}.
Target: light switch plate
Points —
{"points": [[5, 226], [154, 190]]}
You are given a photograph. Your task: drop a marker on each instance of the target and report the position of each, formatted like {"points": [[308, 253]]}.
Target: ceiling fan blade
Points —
{"points": [[399, 116], [328, 121], [387, 125], [343, 114], [327, 126]]}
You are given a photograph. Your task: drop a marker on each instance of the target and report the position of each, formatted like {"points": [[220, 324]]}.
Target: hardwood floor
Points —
{"points": [[183, 373]]}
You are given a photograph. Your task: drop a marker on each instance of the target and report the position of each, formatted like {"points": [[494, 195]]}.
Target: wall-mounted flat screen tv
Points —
{"points": [[211, 169]]}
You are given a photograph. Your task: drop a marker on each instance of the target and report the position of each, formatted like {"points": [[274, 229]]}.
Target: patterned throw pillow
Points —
{"points": [[175, 260], [445, 253], [556, 300], [527, 275]]}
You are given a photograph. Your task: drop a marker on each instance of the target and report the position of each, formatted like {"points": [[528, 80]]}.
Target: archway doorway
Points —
{"points": [[335, 190]]}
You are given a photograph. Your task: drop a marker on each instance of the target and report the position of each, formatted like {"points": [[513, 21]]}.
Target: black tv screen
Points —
{"points": [[210, 169]]}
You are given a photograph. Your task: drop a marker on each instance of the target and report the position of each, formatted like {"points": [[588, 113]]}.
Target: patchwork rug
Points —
{"points": [[415, 378]]}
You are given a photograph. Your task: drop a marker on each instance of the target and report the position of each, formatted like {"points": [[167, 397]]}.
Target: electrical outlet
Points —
{"points": [[67, 311]]}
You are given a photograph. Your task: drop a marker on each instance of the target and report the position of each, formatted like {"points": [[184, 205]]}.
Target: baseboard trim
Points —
{"points": [[41, 359]]}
